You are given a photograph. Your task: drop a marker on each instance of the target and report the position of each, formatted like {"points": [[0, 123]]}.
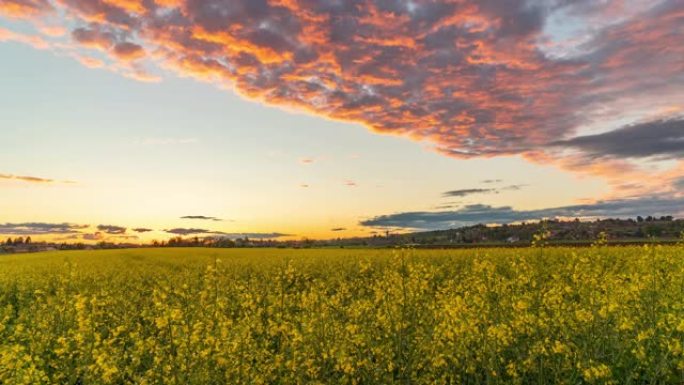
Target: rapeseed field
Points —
{"points": [[599, 315]]}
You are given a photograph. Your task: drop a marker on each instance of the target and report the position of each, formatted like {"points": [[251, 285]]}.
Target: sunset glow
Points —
{"points": [[131, 120]]}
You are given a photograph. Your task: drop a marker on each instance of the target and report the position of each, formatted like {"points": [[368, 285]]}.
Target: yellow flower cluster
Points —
{"points": [[544, 315]]}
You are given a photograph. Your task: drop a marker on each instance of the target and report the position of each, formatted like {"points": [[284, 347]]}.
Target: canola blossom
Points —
{"points": [[542, 315]]}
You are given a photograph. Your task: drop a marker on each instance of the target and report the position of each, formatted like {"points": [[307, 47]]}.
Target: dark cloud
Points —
{"points": [[474, 191], [111, 229], [142, 230], [110, 40], [94, 37], [338, 229], [38, 228], [474, 214], [128, 51], [202, 217], [490, 181], [466, 192], [191, 231], [660, 138]]}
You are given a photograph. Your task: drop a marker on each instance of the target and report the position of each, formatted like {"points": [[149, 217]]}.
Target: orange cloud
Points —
{"points": [[22, 9], [90, 62], [34, 41], [128, 51], [475, 78]]}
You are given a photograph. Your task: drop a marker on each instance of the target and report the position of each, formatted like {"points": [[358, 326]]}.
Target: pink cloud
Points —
{"points": [[34, 41], [471, 77]]}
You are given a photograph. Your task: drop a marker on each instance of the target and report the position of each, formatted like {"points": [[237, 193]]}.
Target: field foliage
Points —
{"points": [[595, 315]]}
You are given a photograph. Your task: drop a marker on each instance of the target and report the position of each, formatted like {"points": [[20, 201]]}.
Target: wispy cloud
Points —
{"points": [[142, 230], [338, 229], [109, 229], [32, 179], [466, 192], [475, 191], [474, 214], [190, 231], [254, 235], [40, 228], [202, 218]]}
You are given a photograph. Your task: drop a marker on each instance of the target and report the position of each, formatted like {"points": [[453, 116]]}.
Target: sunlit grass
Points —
{"points": [[257, 316]]}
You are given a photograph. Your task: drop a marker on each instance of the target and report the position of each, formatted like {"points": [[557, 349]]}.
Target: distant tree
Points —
{"points": [[19, 241], [27, 240], [9, 242], [640, 219], [653, 231]]}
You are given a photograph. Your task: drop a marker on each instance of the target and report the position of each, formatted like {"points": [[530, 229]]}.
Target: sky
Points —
{"points": [[133, 120]]}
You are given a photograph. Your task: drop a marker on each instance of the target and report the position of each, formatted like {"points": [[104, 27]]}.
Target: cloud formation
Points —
{"points": [[474, 191], [31, 179], [190, 231], [40, 228], [660, 138], [112, 230], [142, 230], [476, 78], [24, 8], [202, 217], [474, 214], [193, 231], [96, 236], [466, 192]]}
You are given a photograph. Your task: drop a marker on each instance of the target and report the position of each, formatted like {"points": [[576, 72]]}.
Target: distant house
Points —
{"points": [[513, 239]]}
